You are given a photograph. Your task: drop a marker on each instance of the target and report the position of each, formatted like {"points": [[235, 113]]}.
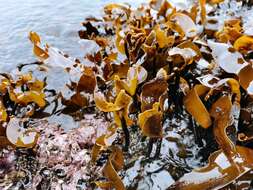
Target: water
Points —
{"points": [[56, 21]]}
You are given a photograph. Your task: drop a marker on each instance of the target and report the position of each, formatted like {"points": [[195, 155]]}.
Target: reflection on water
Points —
{"points": [[57, 21]]}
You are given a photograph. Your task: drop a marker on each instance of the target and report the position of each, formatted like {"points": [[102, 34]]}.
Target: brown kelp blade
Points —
{"points": [[219, 172], [196, 108]]}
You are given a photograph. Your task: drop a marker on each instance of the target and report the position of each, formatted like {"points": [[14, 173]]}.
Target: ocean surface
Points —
{"points": [[56, 21]]}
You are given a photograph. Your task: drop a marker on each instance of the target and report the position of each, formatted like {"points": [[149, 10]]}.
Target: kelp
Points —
{"points": [[152, 91], [135, 76], [196, 108], [150, 122], [219, 173], [243, 43], [102, 143], [114, 164], [37, 50], [211, 104], [3, 112], [151, 67], [22, 91], [186, 23], [120, 102], [231, 31], [19, 136]]}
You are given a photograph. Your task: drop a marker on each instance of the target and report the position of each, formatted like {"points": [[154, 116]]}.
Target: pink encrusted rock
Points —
{"points": [[68, 150]]}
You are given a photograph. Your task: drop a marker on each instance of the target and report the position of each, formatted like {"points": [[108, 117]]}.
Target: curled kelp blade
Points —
{"points": [[135, 75], [37, 50], [246, 78], [137, 71], [221, 112], [119, 41], [152, 90], [244, 43], [195, 106], [121, 101], [113, 165], [102, 103], [186, 53], [162, 39], [33, 93], [19, 136], [103, 142], [129, 85], [216, 83], [150, 122], [121, 117], [192, 45], [219, 172]]}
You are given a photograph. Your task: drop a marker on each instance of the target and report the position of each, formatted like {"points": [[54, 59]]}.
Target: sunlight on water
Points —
{"points": [[57, 22]]}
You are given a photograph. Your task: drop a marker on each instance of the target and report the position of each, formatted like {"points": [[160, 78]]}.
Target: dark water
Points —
{"points": [[57, 22]]}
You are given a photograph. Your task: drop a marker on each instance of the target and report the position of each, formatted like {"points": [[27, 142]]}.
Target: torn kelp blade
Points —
{"points": [[218, 173], [231, 62], [19, 136]]}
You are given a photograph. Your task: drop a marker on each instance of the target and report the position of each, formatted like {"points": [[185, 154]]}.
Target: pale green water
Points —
{"points": [[57, 22]]}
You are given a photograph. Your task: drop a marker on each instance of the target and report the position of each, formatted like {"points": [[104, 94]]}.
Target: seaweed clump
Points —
{"points": [[175, 90]]}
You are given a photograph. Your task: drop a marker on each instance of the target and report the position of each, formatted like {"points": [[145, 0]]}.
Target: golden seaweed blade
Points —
{"points": [[231, 31], [153, 90], [33, 94], [144, 58], [195, 106], [113, 165], [219, 172], [135, 76], [3, 112], [19, 136], [150, 122], [119, 103], [244, 43]]}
